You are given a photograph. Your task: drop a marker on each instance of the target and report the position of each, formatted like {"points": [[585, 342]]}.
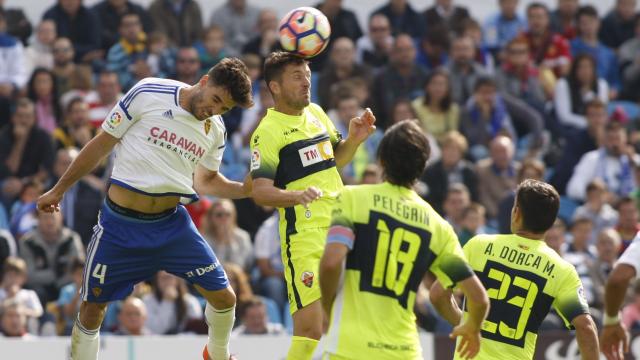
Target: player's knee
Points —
{"points": [[224, 299], [91, 314], [310, 330]]}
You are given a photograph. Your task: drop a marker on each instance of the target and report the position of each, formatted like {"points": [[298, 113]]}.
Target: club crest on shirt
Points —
{"points": [[582, 296], [307, 279], [96, 291], [316, 122], [255, 160], [207, 126], [115, 119]]}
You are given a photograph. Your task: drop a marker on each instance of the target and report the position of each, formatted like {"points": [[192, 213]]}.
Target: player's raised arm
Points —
{"points": [[359, 130], [88, 158]]}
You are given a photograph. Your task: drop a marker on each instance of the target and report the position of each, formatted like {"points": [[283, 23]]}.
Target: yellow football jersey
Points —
{"points": [[524, 278], [394, 238], [297, 152]]}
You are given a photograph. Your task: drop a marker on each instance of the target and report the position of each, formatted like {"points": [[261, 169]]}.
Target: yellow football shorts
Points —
{"points": [[301, 253]]}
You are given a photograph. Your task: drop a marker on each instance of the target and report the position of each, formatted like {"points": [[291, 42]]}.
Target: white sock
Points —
{"points": [[84, 343], [220, 325]]}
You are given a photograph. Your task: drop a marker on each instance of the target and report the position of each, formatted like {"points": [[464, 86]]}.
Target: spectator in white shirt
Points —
{"points": [[13, 279], [254, 320], [132, 318], [269, 261], [228, 241], [13, 320], [613, 163], [169, 305], [574, 92], [373, 48], [239, 21], [13, 75], [597, 209], [40, 52]]}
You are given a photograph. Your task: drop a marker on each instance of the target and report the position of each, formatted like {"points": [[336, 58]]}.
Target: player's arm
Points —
{"points": [[331, 267], [213, 183], [477, 308], [359, 130], [452, 269], [614, 340], [340, 240], [88, 158], [266, 194], [587, 337], [445, 304]]}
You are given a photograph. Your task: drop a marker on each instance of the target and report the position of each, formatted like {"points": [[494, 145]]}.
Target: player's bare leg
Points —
{"points": [[220, 316], [85, 336], [307, 330]]}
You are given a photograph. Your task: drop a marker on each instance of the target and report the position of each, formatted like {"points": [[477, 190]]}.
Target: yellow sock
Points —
{"points": [[302, 348]]}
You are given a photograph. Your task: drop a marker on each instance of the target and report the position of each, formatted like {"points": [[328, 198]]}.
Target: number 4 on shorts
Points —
{"points": [[99, 272]]}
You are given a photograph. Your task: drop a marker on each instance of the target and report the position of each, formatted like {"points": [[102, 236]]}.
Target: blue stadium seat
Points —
{"points": [[273, 313], [288, 320], [567, 208]]}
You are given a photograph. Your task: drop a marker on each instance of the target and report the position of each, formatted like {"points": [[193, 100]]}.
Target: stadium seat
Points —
{"points": [[288, 320], [567, 208]]}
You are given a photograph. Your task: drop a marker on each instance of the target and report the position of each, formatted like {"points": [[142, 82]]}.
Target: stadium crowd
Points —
{"points": [[549, 94]]}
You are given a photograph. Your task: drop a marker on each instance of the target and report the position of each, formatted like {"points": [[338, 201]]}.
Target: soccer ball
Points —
{"points": [[304, 31]]}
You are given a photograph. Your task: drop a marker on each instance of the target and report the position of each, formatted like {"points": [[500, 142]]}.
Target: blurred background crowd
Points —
{"points": [[550, 93]]}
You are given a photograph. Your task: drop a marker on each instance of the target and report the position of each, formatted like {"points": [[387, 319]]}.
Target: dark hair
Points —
{"points": [[55, 99], [612, 126], [581, 220], [623, 201], [457, 188], [538, 203], [129, 13], [531, 163], [251, 302], [594, 103], [232, 74], [72, 103], [445, 103], [587, 10], [577, 102], [484, 81], [537, 5], [596, 184], [180, 302], [402, 101], [403, 152], [474, 208], [107, 72], [438, 36], [275, 64]]}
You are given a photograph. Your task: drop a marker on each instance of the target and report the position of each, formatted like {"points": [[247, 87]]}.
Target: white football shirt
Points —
{"points": [[160, 142], [631, 255]]}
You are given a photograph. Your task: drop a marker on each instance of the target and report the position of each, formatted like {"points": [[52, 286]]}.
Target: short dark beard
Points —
{"points": [[197, 96], [298, 105]]}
